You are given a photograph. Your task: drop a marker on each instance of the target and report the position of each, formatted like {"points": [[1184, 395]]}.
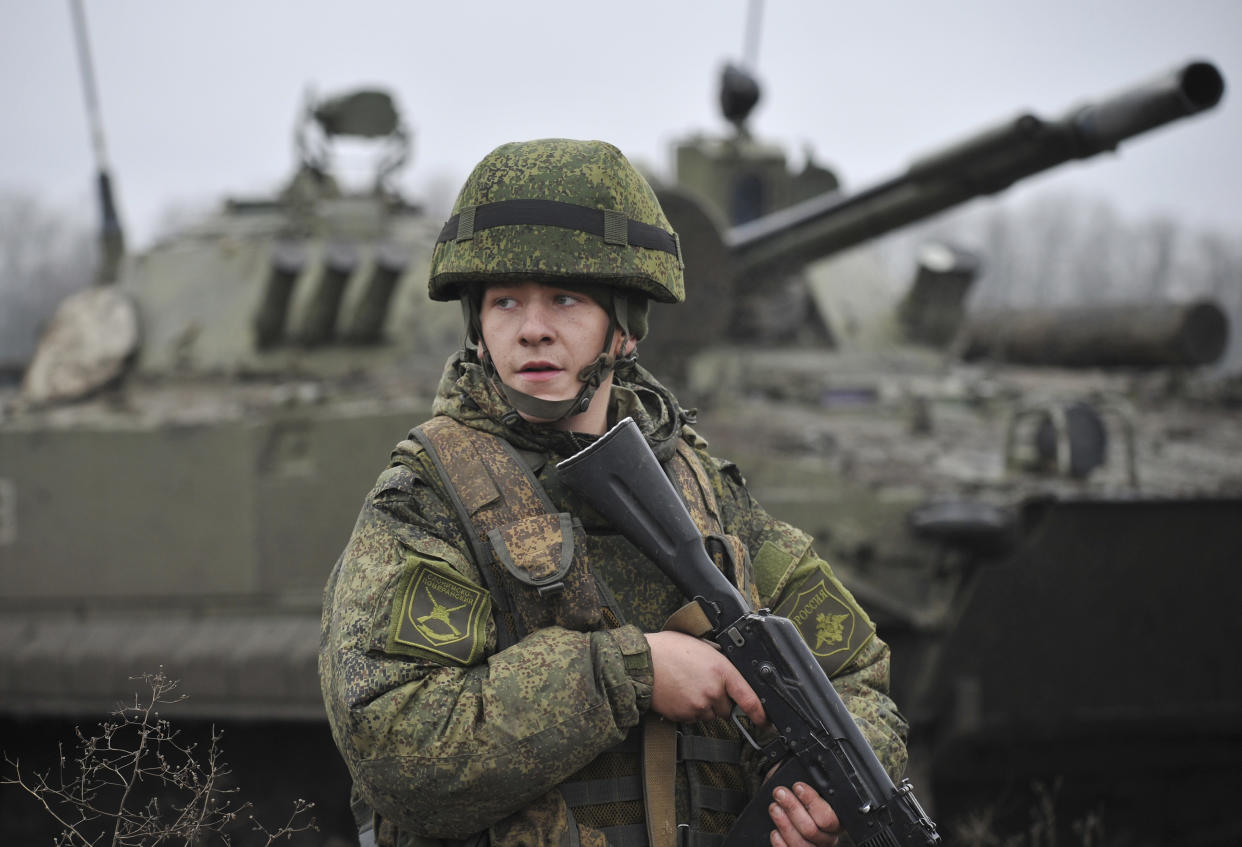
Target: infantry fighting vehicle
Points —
{"points": [[190, 448], [1042, 507], [173, 491]]}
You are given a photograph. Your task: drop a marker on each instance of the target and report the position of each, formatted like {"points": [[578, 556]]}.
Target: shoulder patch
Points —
{"points": [[438, 614], [830, 621]]}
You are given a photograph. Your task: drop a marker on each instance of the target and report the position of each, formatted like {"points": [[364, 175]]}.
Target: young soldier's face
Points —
{"points": [[539, 337]]}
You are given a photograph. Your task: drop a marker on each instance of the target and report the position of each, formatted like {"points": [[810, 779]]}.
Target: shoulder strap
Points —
{"points": [[686, 471], [495, 485], [690, 479], [489, 486]]}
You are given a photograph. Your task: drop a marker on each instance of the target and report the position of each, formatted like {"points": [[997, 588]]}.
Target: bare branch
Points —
{"points": [[135, 783]]}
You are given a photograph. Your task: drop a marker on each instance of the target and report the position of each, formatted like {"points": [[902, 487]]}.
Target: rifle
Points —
{"points": [[816, 739]]}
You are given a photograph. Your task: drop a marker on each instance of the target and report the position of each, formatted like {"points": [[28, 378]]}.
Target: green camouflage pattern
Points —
{"points": [[537, 550], [535, 546], [440, 749], [546, 821], [586, 173]]}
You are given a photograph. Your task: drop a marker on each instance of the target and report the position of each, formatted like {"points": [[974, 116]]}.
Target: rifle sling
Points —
{"points": [[660, 780]]}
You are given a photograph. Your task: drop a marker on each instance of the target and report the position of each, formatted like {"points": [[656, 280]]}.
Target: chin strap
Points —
{"points": [[591, 376]]}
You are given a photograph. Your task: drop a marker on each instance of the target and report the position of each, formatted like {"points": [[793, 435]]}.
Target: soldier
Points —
{"points": [[498, 665]]}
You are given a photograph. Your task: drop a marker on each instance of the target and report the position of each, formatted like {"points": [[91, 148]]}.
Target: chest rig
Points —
{"points": [[666, 785]]}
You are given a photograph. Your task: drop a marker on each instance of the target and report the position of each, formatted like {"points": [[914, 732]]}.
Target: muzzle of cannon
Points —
{"points": [[759, 255]]}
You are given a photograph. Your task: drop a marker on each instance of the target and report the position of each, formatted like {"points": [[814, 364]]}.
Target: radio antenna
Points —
{"points": [[111, 235], [750, 49]]}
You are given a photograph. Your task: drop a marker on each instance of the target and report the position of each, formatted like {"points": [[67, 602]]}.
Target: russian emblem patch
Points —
{"points": [[438, 615], [831, 623]]}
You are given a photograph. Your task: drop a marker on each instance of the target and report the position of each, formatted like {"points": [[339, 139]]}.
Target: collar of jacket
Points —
{"points": [[468, 396]]}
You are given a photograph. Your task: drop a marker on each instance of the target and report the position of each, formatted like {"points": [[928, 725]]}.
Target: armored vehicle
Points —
{"points": [[191, 445], [1033, 503], [174, 491]]}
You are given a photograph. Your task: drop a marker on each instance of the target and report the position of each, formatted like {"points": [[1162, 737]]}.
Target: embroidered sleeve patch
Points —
{"points": [[438, 614], [831, 623]]}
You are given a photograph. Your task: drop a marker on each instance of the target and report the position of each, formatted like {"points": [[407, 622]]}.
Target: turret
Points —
{"points": [[319, 279], [758, 255]]}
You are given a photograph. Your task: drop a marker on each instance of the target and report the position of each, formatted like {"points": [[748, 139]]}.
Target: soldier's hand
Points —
{"points": [[694, 682], [802, 818]]}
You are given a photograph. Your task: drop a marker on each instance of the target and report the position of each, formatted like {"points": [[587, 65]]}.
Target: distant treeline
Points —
{"points": [[45, 254]]}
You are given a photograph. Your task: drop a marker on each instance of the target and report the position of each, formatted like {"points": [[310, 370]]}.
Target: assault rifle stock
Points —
{"points": [[816, 739]]}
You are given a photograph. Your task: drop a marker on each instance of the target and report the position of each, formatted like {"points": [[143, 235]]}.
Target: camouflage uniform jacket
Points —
{"points": [[443, 734]]}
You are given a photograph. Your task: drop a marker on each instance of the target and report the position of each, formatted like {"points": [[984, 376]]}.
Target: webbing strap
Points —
{"points": [[703, 748], [625, 835], [706, 513], [596, 792], [477, 547], [475, 467], [660, 780], [611, 225], [688, 476], [502, 609], [704, 796], [690, 619], [698, 838]]}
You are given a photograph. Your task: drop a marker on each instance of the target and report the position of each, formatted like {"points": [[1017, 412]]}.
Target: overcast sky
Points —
{"points": [[200, 98]]}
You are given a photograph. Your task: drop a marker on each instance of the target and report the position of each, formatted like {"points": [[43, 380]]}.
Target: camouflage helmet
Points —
{"points": [[558, 210]]}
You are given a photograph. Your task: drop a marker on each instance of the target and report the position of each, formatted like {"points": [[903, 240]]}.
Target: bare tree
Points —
{"points": [[45, 255]]}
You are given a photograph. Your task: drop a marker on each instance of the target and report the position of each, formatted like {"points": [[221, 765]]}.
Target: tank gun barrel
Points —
{"points": [[985, 163]]}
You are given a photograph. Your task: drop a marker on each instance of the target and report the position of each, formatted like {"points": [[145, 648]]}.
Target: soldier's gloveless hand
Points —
{"points": [[695, 682], [802, 818]]}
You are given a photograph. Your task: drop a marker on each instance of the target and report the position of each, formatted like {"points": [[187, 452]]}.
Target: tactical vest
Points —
{"points": [[666, 784]]}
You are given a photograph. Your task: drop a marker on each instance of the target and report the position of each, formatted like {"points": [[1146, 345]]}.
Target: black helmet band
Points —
{"points": [[611, 225]]}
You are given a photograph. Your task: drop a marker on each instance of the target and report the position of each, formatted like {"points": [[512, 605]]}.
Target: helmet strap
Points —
{"points": [[470, 305]]}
